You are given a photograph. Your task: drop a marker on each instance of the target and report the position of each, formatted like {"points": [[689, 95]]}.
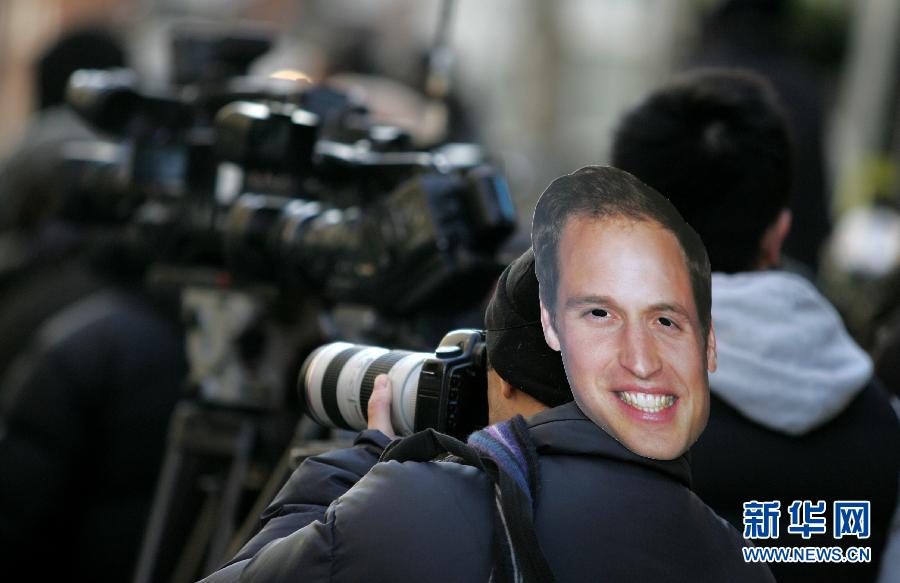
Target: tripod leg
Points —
{"points": [[273, 485], [170, 478], [189, 561], [243, 450]]}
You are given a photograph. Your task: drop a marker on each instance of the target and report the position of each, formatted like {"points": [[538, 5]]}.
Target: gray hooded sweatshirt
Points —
{"points": [[788, 363]]}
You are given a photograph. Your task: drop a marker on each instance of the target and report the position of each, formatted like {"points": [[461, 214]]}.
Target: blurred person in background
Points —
{"points": [[796, 413], [755, 35], [27, 178], [91, 360], [42, 267], [83, 420]]}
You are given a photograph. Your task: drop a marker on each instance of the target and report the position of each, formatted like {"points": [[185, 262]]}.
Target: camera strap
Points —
{"points": [[507, 455]]}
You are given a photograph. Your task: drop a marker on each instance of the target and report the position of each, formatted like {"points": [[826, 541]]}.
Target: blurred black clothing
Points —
{"points": [[854, 457], [884, 327], [888, 364], [31, 295], [82, 433]]}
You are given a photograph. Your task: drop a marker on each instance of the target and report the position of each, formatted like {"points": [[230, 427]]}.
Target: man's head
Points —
{"points": [[524, 375], [717, 143], [625, 297], [83, 48]]}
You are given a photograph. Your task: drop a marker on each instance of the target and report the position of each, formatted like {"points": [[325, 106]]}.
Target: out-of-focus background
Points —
{"points": [[541, 84]]}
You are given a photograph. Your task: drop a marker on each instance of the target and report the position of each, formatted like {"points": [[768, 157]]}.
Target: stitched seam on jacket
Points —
{"points": [[331, 550]]}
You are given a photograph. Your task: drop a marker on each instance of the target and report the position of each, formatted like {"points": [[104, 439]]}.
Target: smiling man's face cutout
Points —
{"points": [[625, 320]]}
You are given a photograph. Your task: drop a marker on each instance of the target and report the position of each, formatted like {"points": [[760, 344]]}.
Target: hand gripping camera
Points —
{"points": [[446, 390]]}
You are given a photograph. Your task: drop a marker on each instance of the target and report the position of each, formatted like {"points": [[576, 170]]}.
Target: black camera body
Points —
{"points": [[445, 390], [452, 394]]}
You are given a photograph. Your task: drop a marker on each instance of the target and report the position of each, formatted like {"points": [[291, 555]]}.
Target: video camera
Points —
{"points": [[298, 189]]}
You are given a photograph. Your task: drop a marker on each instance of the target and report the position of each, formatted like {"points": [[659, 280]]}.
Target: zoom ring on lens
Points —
{"points": [[330, 386], [382, 364]]}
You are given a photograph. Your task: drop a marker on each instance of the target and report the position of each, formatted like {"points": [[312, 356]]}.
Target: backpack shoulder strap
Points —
{"points": [[507, 455], [427, 445]]}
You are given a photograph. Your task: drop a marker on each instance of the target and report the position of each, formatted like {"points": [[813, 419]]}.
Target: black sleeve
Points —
{"points": [[40, 443], [312, 487], [405, 521]]}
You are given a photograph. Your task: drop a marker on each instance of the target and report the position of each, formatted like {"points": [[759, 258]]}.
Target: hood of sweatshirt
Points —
{"points": [[785, 359]]}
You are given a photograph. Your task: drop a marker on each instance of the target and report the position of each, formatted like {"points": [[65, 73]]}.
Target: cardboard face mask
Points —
{"points": [[622, 313]]}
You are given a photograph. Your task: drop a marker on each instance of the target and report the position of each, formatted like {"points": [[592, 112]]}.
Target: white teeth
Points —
{"points": [[647, 402]]}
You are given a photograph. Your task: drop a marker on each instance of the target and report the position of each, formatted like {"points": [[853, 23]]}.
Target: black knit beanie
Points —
{"points": [[515, 340]]}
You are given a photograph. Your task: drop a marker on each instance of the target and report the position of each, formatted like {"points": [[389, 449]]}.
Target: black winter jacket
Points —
{"points": [[603, 513], [853, 457]]}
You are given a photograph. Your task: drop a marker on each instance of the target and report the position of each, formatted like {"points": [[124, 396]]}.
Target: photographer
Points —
{"points": [[567, 485], [513, 330]]}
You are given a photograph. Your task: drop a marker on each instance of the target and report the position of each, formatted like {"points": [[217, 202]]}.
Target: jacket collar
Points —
{"points": [[566, 430]]}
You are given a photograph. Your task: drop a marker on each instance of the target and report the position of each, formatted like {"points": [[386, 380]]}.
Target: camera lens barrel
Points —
{"points": [[337, 380], [381, 365]]}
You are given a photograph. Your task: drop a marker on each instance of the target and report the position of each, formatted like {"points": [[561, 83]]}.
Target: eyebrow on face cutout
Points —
{"points": [[592, 300], [672, 308], [582, 301]]}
